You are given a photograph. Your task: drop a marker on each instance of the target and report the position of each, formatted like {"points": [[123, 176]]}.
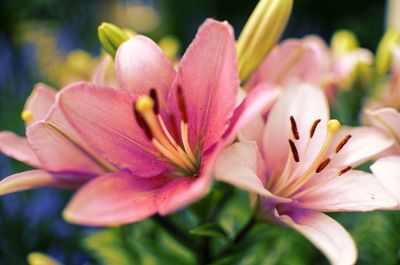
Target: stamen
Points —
{"points": [[342, 143], [174, 128], [142, 123], [153, 95], [294, 128], [314, 127], [295, 153], [322, 165], [181, 103], [344, 170]]}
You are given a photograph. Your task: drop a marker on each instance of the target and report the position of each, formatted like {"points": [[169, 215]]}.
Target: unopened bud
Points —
{"points": [[261, 32], [36, 258], [111, 37], [384, 52], [343, 41]]}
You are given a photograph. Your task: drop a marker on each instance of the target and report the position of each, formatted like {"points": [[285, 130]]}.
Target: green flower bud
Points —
{"points": [[111, 37], [343, 41], [384, 52], [260, 34]]}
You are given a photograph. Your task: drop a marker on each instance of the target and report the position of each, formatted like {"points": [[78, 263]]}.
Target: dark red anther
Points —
{"points": [[314, 127], [142, 123], [342, 143], [181, 103], [154, 96], [293, 125], [295, 153], [344, 170], [323, 165]]}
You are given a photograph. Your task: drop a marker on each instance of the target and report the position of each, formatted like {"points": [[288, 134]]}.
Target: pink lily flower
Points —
{"points": [[163, 129], [300, 164], [63, 159]]}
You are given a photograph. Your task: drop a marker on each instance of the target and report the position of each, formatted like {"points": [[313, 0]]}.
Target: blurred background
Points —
{"points": [[54, 41]]}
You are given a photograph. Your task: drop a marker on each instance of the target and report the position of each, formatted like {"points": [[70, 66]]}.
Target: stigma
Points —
{"points": [[172, 146]]}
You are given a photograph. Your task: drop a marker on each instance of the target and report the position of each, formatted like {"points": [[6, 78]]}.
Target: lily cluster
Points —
{"points": [[156, 138]]}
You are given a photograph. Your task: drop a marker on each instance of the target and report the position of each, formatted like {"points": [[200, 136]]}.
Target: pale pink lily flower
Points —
{"points": [[300, 164], [52, 146], [164, 128], [387, 120]]}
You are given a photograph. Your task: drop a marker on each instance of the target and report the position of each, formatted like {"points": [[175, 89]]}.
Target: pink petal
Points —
{"points": [[387, 120], [141, 65], [292, 60], [39, 178], [365, 144], [353, 191], [114, 199], [306, 103], [209, 80], [257, 102], [240, 166], [186, 190], [18, 148], [105, 119], [104, 74], [57, 151], [40, 101], [387, 170], [325, 233]]}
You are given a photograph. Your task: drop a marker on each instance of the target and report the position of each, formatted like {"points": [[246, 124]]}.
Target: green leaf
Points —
{"points": [[209, 230]]}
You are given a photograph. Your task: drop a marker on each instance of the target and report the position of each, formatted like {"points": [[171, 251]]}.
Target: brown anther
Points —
{"points": [[322, 165], [295, 153], [142, 123], [181, 103], [342, 143], [344, 170], [293, 125], [314, 127], [154, 96], [174, 128]]}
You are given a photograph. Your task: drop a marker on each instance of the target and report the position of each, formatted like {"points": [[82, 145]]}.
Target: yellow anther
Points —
{"points": [[144, 104], [333, 126], [27, 116]]}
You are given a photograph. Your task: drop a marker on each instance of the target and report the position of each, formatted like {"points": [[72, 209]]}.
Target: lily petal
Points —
{"points": [[353, 191], [105, 119], [141, 65], [40, 178], [365, 143], [387, 170], [239, 166], [386, 119], [209, 80], [114, 199], [325, 233], [18, 148], [306, 103], [39, 102]]}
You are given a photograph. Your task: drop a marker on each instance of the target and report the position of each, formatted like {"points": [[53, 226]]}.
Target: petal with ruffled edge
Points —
{"points": [[209, 80], [39, 102], [141, 65], [353, 191], [40, 178], [114, 199], [241, 166], [306, 103], [104, 118], [387, 170], [18, 148], [325, 233]]}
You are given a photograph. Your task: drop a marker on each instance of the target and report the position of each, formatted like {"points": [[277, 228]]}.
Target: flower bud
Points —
{"points": [[36, 258], [111, 37], [170, 46], [393, 17], [343, 41], [260, 34], [384, 52]]}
